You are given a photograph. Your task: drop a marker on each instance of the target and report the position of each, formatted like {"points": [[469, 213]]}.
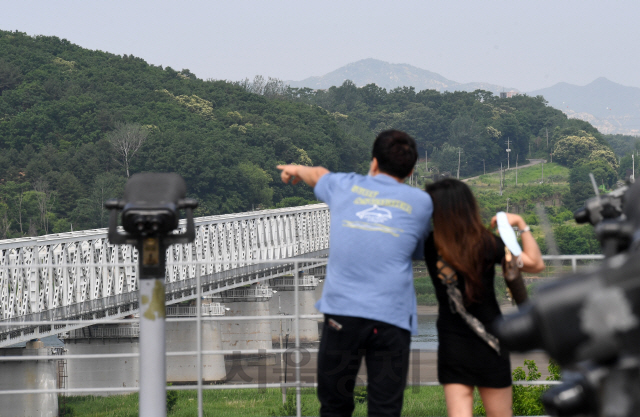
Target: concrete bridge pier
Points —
{"points": [[103, 372], [182, 336], [31, 374], [283, 303], [246, 334]]}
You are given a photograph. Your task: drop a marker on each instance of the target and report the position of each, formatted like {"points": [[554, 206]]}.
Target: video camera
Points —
{"points": [[590, 322], [150, 213]]}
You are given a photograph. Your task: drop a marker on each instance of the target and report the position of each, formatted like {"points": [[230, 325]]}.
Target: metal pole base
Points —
{"points": [[153, 374]]}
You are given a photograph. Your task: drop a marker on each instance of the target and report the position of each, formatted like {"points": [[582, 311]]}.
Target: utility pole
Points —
{"points": [[507, 204], [508, 152], [516, 169], [459, 153], [426, 160], [633, 164], [500, 178], [547, 130], [484, 168]]}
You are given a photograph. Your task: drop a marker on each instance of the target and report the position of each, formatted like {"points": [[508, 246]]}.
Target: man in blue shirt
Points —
{"points": [[378, 225]]}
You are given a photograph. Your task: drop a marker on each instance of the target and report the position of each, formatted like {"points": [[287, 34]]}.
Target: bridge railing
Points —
{"points": [[257, 292], [38, 280], [295, 352], [80, 276], [124, 332], [210, 309], [305, 281], [556, 265], [129, 328]]}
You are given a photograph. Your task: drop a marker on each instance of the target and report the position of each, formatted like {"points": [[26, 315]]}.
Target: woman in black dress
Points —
{"points": [[466, 360]]}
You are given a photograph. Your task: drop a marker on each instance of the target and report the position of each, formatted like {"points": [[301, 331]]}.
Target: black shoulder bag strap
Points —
{"points": [[449, 278]]}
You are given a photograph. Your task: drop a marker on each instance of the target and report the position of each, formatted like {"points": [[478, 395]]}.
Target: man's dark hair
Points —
{"points": [[396, 153]]}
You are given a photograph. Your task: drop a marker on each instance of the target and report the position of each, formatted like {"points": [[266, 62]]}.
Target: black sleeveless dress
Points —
{"points": [[463, 357]]}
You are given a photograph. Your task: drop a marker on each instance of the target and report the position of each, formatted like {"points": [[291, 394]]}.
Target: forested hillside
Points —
{"points": [[63, 108], [75, 123], [472, 130], [478, 123]]}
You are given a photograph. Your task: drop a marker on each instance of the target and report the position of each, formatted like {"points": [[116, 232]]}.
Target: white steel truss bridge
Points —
{"points": [[78, 279]]}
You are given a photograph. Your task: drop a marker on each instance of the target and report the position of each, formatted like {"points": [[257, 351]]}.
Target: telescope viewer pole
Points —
{"points": [[149, 214], [153, 374]]}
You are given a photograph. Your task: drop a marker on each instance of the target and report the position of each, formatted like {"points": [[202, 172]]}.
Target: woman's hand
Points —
{"points": [[531, 256], [514, 220]]}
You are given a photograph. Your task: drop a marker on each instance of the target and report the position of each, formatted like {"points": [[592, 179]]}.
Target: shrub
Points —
{"points": [[526, 398], [172, 399], [289, 407], [360, 394], [65, 410]]}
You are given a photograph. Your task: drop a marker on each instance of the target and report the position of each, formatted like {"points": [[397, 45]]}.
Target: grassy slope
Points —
{"points": [[418, 401]]}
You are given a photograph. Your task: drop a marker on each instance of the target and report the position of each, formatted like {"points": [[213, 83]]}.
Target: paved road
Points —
{"points": [[531, 163]]}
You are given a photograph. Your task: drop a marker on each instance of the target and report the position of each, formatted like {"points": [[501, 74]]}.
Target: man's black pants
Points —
{"points": [[385, 348]]}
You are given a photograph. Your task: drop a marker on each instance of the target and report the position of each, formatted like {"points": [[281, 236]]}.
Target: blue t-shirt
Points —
{"points": [[377, 227]]}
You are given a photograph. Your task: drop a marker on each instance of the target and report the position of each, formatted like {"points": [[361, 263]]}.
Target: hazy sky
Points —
{"points": [[521, 44]]}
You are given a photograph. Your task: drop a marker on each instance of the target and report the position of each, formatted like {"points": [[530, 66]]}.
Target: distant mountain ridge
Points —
{"points": [[390, 76], [610, 107]]}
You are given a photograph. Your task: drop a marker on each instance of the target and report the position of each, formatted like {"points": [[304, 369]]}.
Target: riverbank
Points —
{"points": [[433, 310]]}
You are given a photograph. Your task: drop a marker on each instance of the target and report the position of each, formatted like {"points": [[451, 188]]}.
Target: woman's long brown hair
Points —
{"points": [[458, 232]]}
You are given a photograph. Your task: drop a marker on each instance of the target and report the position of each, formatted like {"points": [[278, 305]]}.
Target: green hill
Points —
{"points": [[60, 104], [479, 125], [541, 194], [75, 122]]}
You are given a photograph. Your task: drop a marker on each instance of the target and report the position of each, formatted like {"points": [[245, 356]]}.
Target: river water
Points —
{"points": [[427, 337]]}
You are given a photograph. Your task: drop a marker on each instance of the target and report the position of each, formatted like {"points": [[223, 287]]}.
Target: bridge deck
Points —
{"points": [[78, 279]]}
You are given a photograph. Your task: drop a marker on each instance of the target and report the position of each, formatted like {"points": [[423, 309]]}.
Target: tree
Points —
{"points": [[127, 139], [89, 212], [580, 187], [5, 223], [579, 240], [626, 167], [571, 149], [463, 131], [446, 158], [106, 186], [13, 194], [9, 76], [605, 155], [69, 189], [44, 196], [255, 184], [603, 172]]}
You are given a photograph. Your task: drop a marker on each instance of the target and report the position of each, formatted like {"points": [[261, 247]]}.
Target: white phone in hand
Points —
{"points": [[507, 234]]}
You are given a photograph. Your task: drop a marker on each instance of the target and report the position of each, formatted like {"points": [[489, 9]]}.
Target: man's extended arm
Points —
{"points": [[310, 175]]}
